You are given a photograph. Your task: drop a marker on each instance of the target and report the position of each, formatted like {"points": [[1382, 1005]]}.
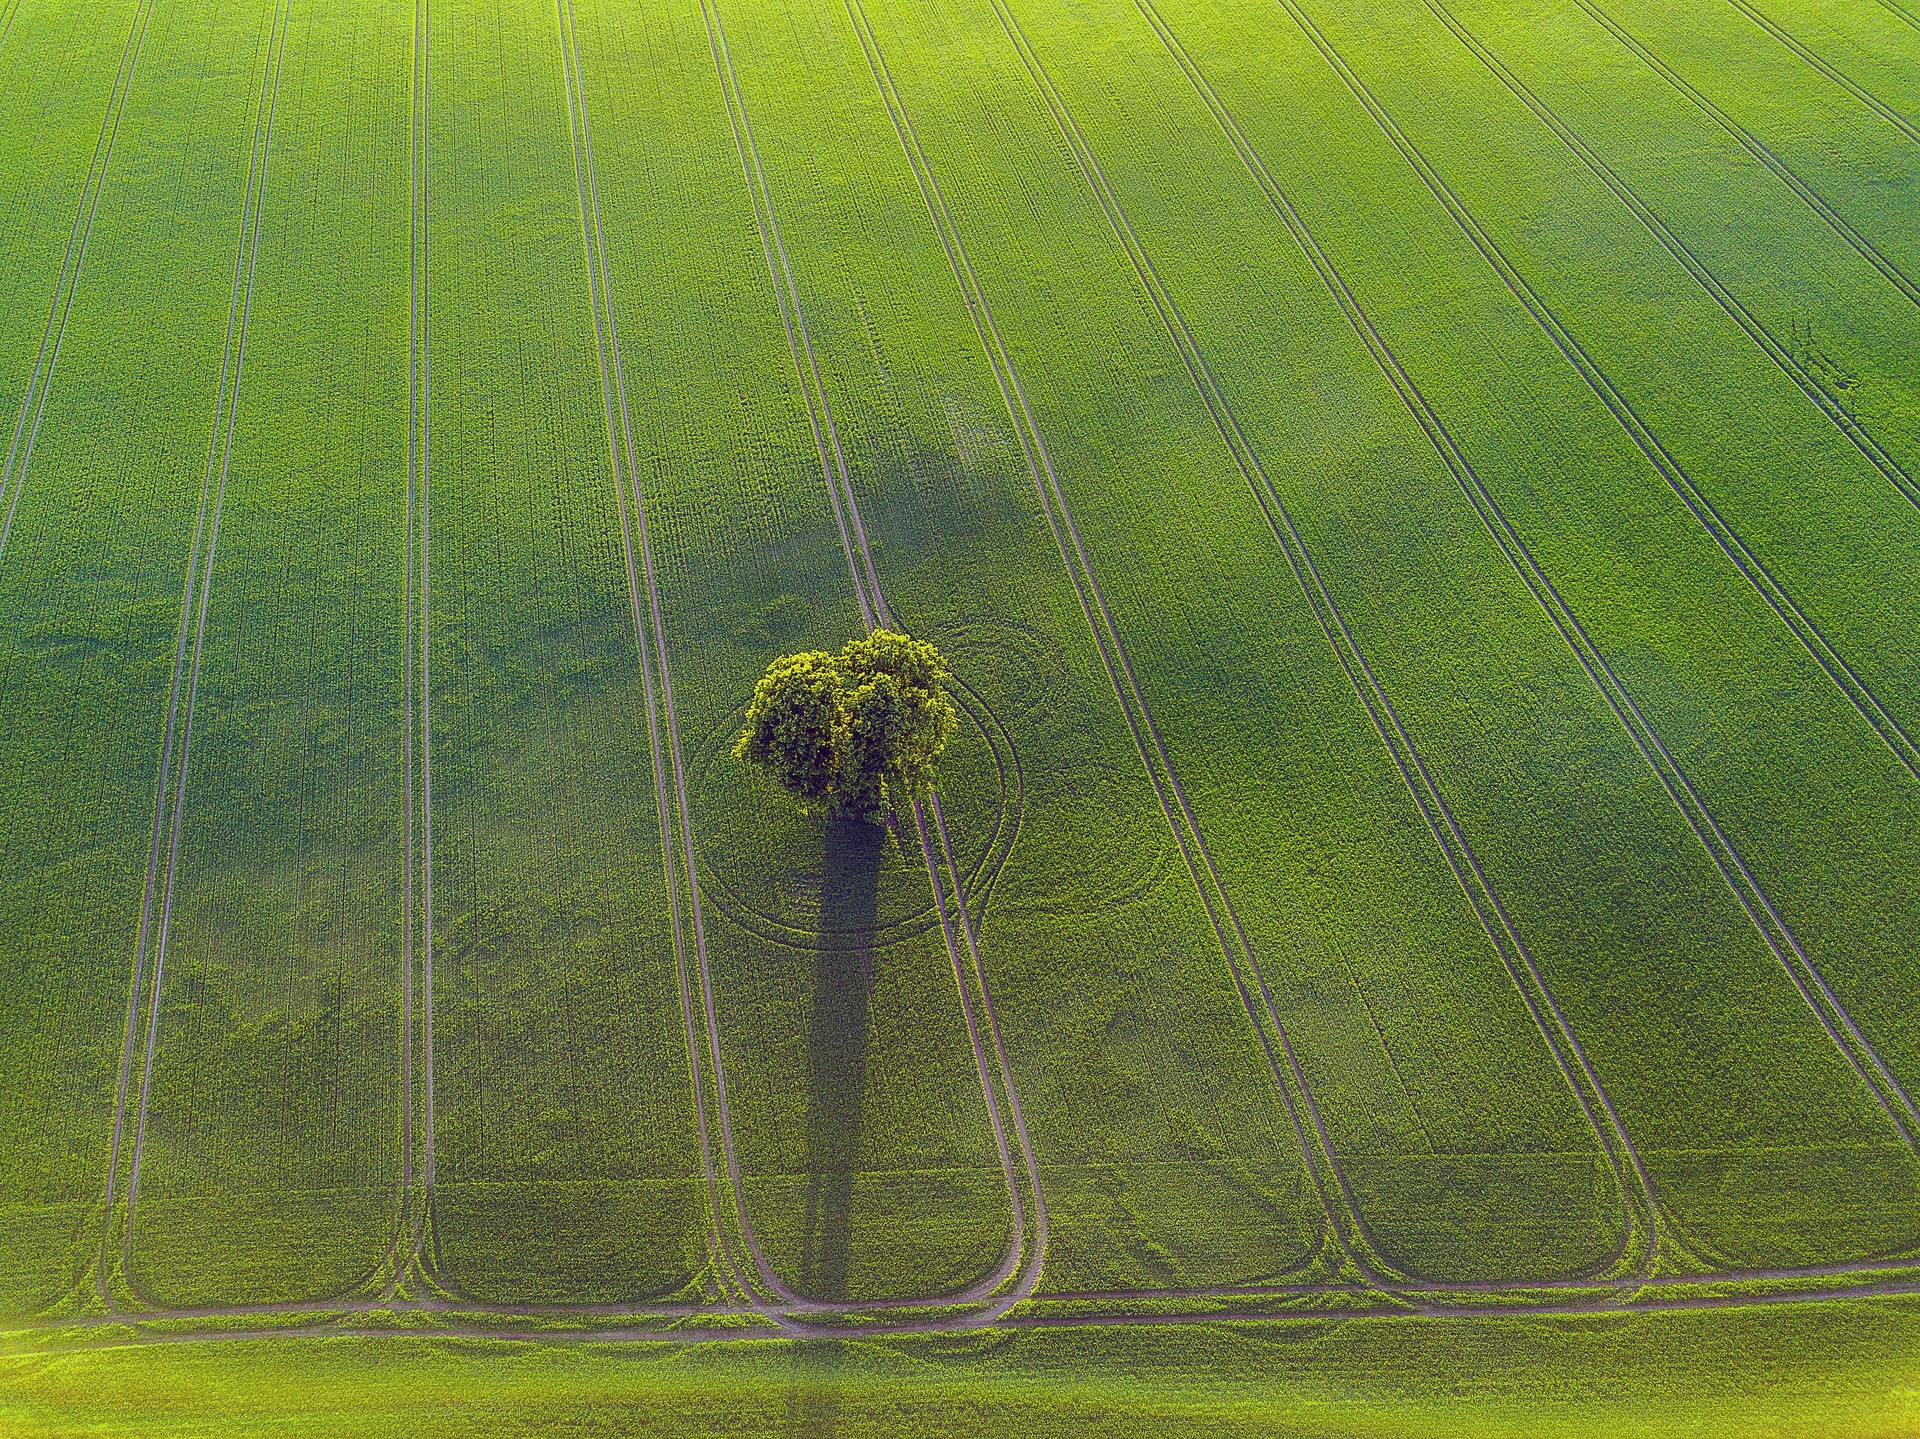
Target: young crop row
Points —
{"points": [[463, 966]]}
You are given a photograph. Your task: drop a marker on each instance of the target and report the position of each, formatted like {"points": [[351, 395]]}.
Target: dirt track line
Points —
{"points": [[1901, 11], [877, 601], [417, 863], [33, 404], [1333, 627], [1888, 467], [1569, 1057], [1030, 1282], [620, 446], [1880, 1082], [1873, 102], [768, 226], [1598, 1306], [1091, 600], [1488, 910], [1783, 604], [198, 594], [1776, 598], [1535, 994], [8, 15], [1621, 1294], [873, 607], [1752, 144]]}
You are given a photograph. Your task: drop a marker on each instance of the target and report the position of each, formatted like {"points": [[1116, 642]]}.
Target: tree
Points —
{"points": [[857, 732]]}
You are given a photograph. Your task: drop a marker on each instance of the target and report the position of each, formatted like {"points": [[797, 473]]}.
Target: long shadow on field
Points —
{"points": [[837, 1049], [813, 1397]]}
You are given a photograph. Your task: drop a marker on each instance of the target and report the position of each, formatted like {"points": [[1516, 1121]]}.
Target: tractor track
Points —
{"points": [[1873, 102], [1640, 1218], [170, 804], [981, 878], [649, 631], [1890, 469], [1277, 1046], [1842, 675], [33, 404], [1312, 1304], [413, 1214], [984, 322], [1753, 145], [1025, 1255], [1423, 413], [1779, 939], [1899, 11]]}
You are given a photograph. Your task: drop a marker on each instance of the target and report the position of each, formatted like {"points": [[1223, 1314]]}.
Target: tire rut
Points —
{"points": [[1753, 145], [170, 805], [33, 404], [1639, 1214], [874, 610], [413, 1210], [1844, 676], [1886, 1090], [649, 630], [1810, 57], [1276, 1045]]}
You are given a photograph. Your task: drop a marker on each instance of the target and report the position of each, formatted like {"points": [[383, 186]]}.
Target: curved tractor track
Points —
{"points": [[189, 646], [1019, 1270], [670, 1322], [1640, 1219]]}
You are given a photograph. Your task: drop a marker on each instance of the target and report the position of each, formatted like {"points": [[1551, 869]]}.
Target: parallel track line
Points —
{"points": [[1844, 676], [874, 611], [33, 403], [1092, 601], [1639, 1210], [1886, 1090], [651, 641], [417, 1147], [171, 804], [1859, 92], [1755, 147]]}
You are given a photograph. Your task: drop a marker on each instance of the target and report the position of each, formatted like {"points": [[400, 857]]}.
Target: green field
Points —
{"points": [[1422, 501]]}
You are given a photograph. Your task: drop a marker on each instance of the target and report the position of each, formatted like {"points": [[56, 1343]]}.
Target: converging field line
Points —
{"points": [[33, 403], [1778, 600], [873, 609], [1171, 798], [1873, 102], [633, 515], [1639, 1213], [1807, 979], [170, 804], [1752, 144]]}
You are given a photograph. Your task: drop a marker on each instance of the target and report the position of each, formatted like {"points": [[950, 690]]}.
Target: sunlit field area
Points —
{"points": [[1421, 502]]}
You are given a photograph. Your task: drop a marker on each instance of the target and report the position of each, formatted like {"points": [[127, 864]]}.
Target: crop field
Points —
{"points": [[1421, 499]]}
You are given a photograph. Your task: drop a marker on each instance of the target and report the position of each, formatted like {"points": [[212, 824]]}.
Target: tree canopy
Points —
{"points": [[855, 731]]}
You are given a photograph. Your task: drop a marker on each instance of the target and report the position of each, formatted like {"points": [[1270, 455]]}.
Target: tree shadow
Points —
{"points": [[837, 1049], [813, 1396]]}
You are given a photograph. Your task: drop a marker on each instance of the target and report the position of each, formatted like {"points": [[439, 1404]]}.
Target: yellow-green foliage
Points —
{"points": [[852, 730]]}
